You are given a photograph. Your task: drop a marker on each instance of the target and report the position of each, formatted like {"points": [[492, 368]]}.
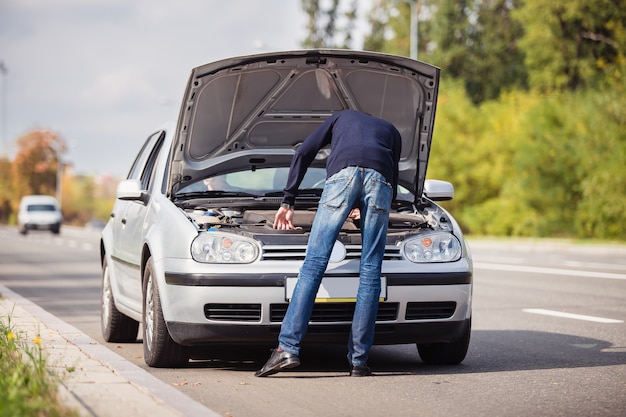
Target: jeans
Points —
{"points": [[351, 187]]}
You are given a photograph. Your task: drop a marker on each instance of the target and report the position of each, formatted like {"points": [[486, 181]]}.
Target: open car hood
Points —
{"points": [[253, 111]]}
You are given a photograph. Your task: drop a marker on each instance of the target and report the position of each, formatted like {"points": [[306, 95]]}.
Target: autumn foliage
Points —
{"points": [[38, 168]]}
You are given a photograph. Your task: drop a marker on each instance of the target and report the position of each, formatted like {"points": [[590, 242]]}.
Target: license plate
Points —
{"points": [[336, 289]]}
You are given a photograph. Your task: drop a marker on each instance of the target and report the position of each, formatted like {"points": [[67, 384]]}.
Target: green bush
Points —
{"points": [[534, 165]]}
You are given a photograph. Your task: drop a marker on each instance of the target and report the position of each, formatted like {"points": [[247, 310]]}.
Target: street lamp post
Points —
{"points": [[414, 34], [59, 187], [59, 150], [4, 71]]}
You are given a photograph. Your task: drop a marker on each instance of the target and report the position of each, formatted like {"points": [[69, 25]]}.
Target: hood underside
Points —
{"points": [[254, 111]]}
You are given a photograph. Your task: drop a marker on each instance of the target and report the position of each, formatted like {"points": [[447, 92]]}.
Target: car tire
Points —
{"points": [[116, 327], [56, 229], [451, 353], [159, 349]]}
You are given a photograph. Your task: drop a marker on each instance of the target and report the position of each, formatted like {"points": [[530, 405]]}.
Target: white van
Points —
{"points": [[41, 212]]}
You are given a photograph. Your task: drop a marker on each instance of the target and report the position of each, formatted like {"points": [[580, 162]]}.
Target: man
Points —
{"points": [[362, 173]]}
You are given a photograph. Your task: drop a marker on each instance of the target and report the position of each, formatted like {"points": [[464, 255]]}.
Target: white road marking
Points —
{"points": [[548, 271], [57, 241], [501, 259], [576, 264], [569, 315]]}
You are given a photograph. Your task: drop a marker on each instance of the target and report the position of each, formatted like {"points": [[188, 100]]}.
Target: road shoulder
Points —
{"points": [[95, 380]]}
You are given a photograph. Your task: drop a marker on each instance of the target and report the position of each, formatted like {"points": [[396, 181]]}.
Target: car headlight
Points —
{"points": [[223, 248], [433, 247]]}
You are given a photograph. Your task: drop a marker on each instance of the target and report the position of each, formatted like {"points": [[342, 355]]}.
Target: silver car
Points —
{"points": [[190, 252]]}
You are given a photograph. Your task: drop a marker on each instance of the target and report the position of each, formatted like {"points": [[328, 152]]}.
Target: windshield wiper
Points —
{"points": [[305, 192], [215, 193]]}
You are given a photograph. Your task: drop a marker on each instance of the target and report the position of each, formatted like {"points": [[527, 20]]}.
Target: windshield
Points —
{"points": [[261, 182], [41, 207], [258, 182]]}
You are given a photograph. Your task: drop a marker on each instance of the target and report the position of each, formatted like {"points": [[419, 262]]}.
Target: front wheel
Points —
{"points": [[116, 327], [451, 353], [159, 349]]}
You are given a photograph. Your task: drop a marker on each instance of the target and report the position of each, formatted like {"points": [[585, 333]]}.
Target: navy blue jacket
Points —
{"points": [[356, 139]]}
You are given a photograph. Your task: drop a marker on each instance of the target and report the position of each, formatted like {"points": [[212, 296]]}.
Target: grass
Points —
{"points": [[27, 387]]}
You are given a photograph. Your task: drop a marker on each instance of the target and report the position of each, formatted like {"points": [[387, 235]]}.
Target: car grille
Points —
{"points": [[233, 312], [333, 312], [297, 252], [329, 312], [430, 310]]}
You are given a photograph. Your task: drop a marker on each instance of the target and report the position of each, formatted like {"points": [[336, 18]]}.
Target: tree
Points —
{"points": [[531, 126], [378, 20], [572, 44], [390, 26], [452, 35], [471, 40], [497, 63], [477, 41], [329, 27], [34, 170]]}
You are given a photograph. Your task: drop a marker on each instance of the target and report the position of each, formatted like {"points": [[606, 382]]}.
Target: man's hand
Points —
{"points": [[283, 219], [355, 214]]}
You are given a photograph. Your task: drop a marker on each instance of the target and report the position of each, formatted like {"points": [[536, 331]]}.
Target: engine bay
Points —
{"points": [[260, 220]]}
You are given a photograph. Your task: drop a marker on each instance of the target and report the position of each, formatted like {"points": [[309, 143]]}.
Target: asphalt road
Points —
{"points": [[548, 339]]}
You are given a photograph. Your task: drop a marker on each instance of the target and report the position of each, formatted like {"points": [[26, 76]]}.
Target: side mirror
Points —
{"points": [[130, 190], [438, 190]]}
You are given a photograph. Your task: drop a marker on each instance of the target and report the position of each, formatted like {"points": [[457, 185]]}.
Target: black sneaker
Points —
{"points": [[360, 370], [278, 361]]}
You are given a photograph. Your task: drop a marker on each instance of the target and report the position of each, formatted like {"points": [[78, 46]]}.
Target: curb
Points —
{"points": [[101, 383]]}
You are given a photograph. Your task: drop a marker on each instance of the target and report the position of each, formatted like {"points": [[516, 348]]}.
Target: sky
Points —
{"points": [[104, 74]]}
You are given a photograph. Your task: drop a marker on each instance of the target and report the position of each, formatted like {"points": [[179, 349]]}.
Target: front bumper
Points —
{"points": [[41, 226], [190, 334], [247, 304]]}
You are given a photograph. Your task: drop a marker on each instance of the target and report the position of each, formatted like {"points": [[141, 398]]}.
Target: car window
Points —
{"points": [[148, 173], [146, 160], [148, 148]]}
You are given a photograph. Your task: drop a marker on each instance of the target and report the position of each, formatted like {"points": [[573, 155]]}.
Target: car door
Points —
{"points": [[129, 225]]}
